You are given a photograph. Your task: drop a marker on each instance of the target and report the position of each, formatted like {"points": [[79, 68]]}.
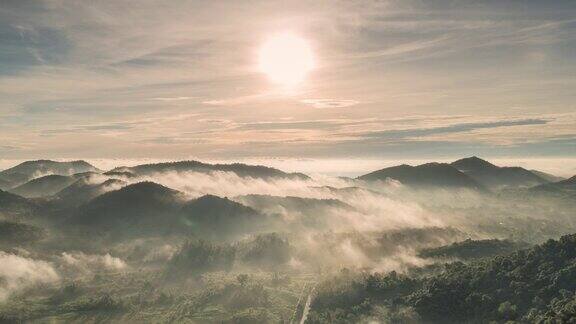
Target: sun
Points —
{"points": [[286, 59]]}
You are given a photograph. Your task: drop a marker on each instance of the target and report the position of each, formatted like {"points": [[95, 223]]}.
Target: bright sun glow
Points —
{"points": [[286, 59]]}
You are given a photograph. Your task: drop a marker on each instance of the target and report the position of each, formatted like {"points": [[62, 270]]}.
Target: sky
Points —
{"points": [[393, 80]]}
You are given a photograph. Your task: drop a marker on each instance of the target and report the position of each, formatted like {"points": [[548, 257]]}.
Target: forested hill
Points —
{"points": [[532, 285]]}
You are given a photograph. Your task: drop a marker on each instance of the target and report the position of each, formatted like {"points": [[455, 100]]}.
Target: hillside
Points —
{"points": [[522, 286], [494, 177], [528, 286], [439, 175]]}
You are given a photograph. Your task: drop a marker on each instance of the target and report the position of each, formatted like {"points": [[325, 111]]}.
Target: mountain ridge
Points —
{"points": [[495, 177], [432, 174], [28, 170], [241, 169]]}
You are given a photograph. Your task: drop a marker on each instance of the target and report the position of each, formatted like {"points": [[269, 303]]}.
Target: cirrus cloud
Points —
{"points": [[330, 103]]}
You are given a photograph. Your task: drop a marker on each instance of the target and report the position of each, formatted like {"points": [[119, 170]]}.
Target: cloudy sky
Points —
{"points": [[393, 79]]}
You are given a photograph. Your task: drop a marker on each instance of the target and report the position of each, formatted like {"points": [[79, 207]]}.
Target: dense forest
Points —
{"points": [[534, 285]]}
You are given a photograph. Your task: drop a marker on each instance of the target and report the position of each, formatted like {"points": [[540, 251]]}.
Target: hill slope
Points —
{"points": [[535, 285]]}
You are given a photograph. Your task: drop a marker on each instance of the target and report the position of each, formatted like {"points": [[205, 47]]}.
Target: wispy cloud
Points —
{"points": [[163, 80], [448, 129], [330, 103], [172, 98], [405, 48]]}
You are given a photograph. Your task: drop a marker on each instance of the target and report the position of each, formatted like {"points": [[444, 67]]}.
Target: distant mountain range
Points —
{"points": [[29, 170], [494, 177], [426, 175], [547, 176], [563, 186], [470, 173], [242, 170], [45, 178], [43, 186]]}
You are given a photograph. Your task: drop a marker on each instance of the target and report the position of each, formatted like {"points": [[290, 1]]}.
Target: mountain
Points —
{"points": [[84, 190], [16, 207], [142, 208], [495, 177], [43, 186], [242, 170], [440, 175], [28, 170], [214, 217]]}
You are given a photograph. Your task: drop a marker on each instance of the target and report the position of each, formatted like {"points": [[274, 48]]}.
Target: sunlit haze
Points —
{"points": [[275, 162], [286, 59], [389, 80]]}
